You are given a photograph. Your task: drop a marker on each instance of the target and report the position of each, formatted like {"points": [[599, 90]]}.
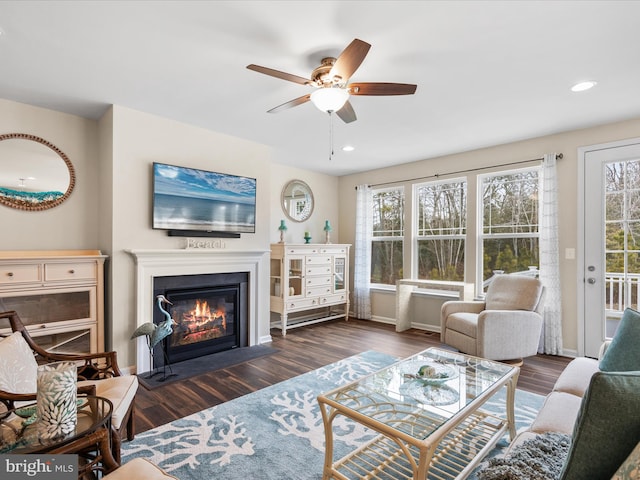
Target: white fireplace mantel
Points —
{"points": [[162, 263]]}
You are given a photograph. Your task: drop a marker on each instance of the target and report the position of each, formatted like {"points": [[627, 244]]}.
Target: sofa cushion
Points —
{"points": [[623, 354], [607, 428], [558, 413], [18, 366], [576, 376]]}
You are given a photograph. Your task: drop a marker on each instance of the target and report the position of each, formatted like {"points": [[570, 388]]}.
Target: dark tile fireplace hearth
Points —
{"points": [[210, 312]]}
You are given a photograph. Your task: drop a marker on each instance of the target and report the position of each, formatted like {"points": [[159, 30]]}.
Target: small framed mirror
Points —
{"points": [[297, 201], [34, 173]]}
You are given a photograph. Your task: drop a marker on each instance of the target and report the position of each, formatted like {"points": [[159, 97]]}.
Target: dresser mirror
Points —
{"points": [[297, 201], [34, 173]]}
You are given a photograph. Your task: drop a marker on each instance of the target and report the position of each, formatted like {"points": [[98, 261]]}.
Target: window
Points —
{"points": [[388, 235], [509, 224], [441, 229]]}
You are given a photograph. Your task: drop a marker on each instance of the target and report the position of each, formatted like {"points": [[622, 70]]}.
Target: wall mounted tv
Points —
{"points": [[192, 202]]}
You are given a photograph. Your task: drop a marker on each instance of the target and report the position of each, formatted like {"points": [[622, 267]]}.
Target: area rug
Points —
{"points": [[275, 433], [206, 363]]}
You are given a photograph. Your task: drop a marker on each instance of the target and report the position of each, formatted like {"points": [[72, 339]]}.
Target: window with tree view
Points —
{"points": [[388, 235], [622, 241], [441, 229], [509, 226]]}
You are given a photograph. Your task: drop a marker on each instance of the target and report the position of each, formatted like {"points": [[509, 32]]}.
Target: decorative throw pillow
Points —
{"points": [[607, 428], [540, 458], [623, 355], [18, 366]]}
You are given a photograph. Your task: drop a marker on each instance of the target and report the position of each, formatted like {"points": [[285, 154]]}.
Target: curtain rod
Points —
{"points": [[559, 156]]}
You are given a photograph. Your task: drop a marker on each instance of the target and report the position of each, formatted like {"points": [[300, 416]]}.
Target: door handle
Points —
{"points": [[591, 280]]}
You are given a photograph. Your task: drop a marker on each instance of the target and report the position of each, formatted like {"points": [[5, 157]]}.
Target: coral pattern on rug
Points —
{"points": [[274, 433]]}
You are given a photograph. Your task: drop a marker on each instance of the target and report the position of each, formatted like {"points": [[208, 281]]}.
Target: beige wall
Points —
{"points": [[324, 189], [74, 224], [110, 208], [138, 140], [566, 143]]}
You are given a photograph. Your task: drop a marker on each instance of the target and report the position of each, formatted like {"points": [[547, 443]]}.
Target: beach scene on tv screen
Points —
{"points": [[192, 199]]}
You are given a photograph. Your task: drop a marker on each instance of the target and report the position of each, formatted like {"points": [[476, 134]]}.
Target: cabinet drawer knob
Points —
{"points": [[72, 271], [10, 274], [44, 325]]}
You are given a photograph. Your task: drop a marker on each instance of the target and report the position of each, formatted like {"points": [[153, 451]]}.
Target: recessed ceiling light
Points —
{"points": [[348, 148], [582, 86]]}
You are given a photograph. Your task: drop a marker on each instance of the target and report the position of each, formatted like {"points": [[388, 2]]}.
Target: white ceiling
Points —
{"points": [[487, 72]]}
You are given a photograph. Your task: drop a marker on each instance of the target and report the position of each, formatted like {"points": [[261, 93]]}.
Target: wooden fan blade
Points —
{"points": [[278, 74], [291, 103], [347, 114], [379, 88], [349, 60]]}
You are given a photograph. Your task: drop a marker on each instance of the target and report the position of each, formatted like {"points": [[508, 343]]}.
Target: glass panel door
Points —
{"points": [[296, 270], [611, 239], [339, 270]]}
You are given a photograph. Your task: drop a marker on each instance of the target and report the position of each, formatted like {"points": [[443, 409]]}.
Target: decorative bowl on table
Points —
{"points": [[428, 372]]}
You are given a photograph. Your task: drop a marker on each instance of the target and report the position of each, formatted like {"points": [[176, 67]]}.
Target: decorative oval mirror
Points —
{"points": [[34, 174], [297, 200]]}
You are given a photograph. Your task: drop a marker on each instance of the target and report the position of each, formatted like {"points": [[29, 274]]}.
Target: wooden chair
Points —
{"points": [[98, 374]]}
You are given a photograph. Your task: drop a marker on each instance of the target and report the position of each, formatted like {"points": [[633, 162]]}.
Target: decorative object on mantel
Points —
{"points": [[56, 399], [282, 228], [307, 237], [327, 231], [155, 334]]}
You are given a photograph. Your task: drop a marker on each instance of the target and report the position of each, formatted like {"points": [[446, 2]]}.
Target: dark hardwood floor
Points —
{"points": [[302, 350]]}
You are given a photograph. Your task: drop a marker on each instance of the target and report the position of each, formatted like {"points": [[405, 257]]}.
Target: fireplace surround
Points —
{"points": [[151, 264]]}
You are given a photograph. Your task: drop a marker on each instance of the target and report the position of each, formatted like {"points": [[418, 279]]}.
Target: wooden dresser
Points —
{"points": [[58, 294], [309, 283]]}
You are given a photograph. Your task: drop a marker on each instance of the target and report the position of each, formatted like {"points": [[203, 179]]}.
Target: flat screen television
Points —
{"points": [[192, 200]]}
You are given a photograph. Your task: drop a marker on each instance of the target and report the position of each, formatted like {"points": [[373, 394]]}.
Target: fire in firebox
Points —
{"points": [[199, 323]]}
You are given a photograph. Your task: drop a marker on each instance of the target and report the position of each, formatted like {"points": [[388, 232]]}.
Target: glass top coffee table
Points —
{"points": [[427, 413]]}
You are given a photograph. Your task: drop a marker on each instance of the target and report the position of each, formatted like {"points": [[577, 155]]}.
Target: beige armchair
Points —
{"points": [[505, 326]]}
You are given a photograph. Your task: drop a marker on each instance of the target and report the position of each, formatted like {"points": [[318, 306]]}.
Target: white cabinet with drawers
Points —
{"points": [[309, 283], [59, 296]]}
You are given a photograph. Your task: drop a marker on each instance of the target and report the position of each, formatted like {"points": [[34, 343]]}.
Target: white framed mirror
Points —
{"points": [[297, 201], [34, 173]]}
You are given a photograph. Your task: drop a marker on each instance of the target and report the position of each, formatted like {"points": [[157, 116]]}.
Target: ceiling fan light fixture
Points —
{"points": [[329, 99]]}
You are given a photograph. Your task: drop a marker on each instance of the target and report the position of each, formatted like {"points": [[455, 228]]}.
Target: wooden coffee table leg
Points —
{"points": [[511, 401]]}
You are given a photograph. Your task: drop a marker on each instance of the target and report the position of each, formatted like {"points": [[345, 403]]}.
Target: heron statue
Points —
{"points": [[155, 334]]}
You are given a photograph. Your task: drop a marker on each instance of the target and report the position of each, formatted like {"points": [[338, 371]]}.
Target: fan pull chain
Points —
{"points": [[330, 135]]}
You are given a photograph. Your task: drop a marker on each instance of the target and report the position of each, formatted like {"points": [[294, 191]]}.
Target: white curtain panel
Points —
{"points": [[551, 339], [362, 253]]}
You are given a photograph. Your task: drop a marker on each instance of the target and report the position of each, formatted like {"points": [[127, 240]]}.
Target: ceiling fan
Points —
{"points": [[330, 80]]}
